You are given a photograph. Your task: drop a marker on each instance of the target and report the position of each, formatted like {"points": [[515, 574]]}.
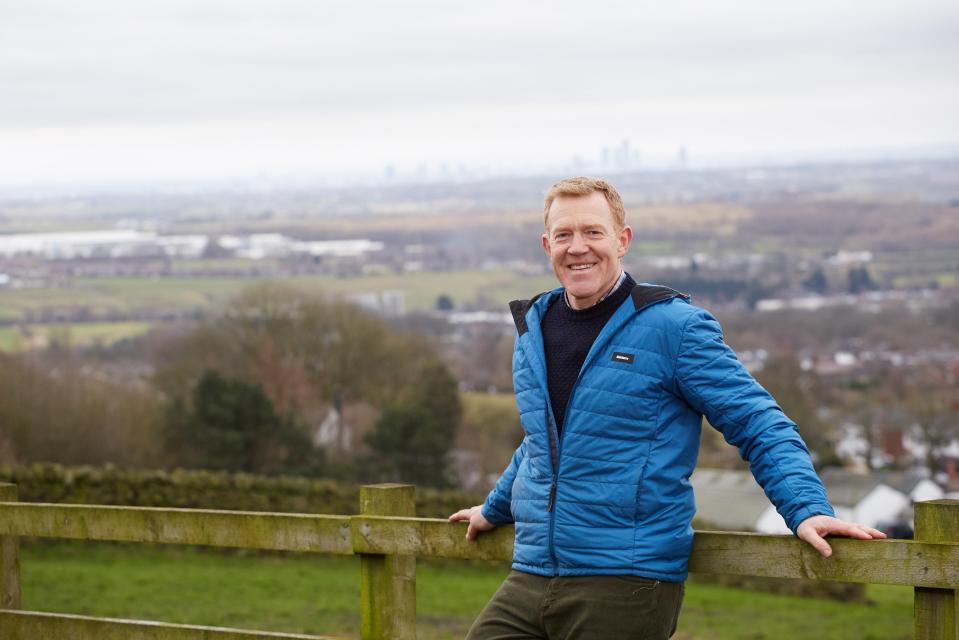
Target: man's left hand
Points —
{"points": [[814, 529]]}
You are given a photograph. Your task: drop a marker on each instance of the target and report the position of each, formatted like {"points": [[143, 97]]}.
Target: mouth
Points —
{"points": [[581, 267]]}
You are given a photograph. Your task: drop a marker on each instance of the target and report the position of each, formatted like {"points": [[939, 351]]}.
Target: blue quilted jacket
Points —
{"points": [[612, 495]]}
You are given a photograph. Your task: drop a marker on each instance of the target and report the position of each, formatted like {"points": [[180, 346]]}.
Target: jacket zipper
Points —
{"points": [[554, 457]]}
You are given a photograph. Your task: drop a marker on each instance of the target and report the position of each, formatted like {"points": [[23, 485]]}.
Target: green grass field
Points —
{"points": [[103, 295], [81, 334], [320, 594], [421, 289]]}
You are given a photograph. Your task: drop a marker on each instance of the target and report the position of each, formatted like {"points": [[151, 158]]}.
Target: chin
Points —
{"points": [[582, 291]]}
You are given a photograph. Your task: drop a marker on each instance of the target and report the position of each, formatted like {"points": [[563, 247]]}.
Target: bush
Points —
{"points": [[207, 490]]}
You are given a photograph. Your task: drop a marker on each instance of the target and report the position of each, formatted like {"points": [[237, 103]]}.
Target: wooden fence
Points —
{"points": [[388, 539]]}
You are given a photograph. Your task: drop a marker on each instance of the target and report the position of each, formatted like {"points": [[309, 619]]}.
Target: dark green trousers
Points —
{"points": [[528, 607]]}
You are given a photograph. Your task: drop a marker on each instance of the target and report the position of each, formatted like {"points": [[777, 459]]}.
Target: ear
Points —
{"points": [[625, 237], [546, 246]]}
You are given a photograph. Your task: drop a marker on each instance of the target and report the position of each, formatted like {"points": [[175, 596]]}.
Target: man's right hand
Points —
{"points": [[475, 517]]}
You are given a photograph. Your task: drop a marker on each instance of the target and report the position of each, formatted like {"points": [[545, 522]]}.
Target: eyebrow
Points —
{"points": [[589, 227]]}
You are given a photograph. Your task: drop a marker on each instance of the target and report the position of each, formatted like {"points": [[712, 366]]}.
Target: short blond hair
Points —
{"points": [[583, 186]]}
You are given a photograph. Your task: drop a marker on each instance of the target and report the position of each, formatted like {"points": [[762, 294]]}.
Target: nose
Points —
{"points": [[578, 244]]}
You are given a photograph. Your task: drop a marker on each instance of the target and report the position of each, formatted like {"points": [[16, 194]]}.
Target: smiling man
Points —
{"points": [[585, 242], [612, 379]]}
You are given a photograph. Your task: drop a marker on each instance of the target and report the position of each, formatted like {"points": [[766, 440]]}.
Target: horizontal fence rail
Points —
{"points": [[58, 626], [242, 529], [895, 562], [388, 540]]}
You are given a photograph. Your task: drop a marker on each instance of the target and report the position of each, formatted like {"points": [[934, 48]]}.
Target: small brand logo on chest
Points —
{"points": [[619, 356]]}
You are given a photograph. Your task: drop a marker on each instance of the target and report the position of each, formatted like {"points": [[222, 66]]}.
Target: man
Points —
{"points": [[612, 379]]}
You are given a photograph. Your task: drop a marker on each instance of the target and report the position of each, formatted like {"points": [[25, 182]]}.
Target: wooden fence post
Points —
{"points": [[9, 558], [935, 610], [387, 582]]}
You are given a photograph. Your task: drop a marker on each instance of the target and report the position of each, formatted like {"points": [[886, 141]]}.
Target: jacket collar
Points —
{"points": [[527, 314], [642, 296]]}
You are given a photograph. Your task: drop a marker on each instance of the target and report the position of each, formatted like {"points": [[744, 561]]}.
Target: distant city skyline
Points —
{"points": [[106, 92]]}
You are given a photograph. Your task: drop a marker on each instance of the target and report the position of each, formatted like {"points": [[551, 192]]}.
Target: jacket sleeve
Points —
{"points": [[714, 382], [496, 508]]}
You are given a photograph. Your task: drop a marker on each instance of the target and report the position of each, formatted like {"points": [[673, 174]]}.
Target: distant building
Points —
{"points": [[123, 243], [333, 432], [892, 443], [386, 303], [732, 501], [865, 499], [844, 258], [129, 243], [480, 317], [915, 484]]}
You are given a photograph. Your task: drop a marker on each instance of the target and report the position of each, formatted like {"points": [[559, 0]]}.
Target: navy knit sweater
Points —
{"points": [[568, 335]]}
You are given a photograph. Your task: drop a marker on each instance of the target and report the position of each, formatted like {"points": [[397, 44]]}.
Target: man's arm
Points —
{"points": [[495, 510], [713, 381]]}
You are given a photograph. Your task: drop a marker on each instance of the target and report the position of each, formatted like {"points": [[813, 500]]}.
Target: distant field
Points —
{"points": [[104, 295], [925, 280], [320, 226], [724, 218], [183, 266], [320, 594], [86, 334], [422, 289], [919, 268], [476, 401]]}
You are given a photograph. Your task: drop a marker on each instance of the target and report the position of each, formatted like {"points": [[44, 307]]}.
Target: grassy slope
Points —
{"points": [[102, 295], [320, 594]]}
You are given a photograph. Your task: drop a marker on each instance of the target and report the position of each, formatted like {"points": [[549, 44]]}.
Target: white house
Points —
{"points": [[915, 484], [732, 501], [864, 499]]}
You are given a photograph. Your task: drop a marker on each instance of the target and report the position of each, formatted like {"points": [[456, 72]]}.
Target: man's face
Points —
{"points": [[584, 247]]}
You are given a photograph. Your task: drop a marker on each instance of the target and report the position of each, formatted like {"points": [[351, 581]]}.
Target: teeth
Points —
{"points": [[580, 267]]}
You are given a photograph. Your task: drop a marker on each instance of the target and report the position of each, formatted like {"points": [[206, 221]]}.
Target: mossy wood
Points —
{"points": [[30, 625], [9, 558], [248, 530], [899, 562], [428, 537], [936, 610], [388, 579]]}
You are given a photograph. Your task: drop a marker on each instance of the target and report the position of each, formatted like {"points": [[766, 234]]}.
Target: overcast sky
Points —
{"points": [[103, 90]]}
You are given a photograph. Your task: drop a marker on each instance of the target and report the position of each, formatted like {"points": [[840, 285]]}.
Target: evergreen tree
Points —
{"points": [[409, 447], [444, 303], [232, 425], [860, 280], [413, 439], [816, 282]]}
